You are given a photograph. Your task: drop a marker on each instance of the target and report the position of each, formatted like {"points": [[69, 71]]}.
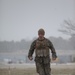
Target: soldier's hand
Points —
{"points": [[53, 59], [30, 58]]}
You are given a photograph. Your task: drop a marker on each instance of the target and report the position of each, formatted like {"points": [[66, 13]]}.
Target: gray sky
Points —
{"points": [[21, 19]]}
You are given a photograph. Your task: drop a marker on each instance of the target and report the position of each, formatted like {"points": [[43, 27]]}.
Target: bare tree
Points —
{"points": [[68, 27]]}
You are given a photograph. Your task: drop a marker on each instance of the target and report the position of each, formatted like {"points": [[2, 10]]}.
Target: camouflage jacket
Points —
{"points": [[42, 48]]}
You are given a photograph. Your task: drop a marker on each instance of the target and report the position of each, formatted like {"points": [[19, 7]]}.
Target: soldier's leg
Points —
{"points": [[47, 69], [40, 68]]}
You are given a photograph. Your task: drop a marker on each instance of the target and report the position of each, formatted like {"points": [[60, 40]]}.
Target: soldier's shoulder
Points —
{"points": [[34, 41], [49, 41]]}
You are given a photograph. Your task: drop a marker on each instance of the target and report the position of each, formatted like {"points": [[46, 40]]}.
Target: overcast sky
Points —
{"points": [[21, 19]]}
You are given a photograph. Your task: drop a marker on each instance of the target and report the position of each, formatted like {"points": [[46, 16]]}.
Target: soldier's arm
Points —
{"points": [[52, 49], [31, 50]]}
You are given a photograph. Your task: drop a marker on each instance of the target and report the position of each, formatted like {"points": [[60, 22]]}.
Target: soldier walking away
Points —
{"points": [[42, 47]]}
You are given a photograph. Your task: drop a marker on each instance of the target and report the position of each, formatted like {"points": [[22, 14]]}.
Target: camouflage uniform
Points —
{"points": [[42, 55]]}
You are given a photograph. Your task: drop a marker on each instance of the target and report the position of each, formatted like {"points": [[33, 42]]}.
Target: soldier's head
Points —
{"points": [[41, 33]]}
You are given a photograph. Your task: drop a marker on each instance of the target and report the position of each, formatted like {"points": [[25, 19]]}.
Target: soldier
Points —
{"points": [[42, 46]]}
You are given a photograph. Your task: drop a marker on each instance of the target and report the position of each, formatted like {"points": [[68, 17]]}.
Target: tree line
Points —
{"points": [[59, 44]]}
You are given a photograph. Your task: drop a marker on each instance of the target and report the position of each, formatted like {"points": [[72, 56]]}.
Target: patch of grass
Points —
{"points": [[32, 71], [63, 71]]}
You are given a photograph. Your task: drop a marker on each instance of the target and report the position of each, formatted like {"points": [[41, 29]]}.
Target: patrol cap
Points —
{"points": [[41, 31]]}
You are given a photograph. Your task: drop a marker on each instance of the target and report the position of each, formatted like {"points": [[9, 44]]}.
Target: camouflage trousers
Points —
{"points": [[43, 65]]}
